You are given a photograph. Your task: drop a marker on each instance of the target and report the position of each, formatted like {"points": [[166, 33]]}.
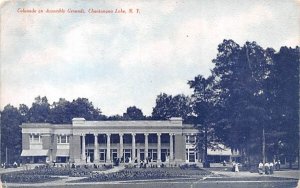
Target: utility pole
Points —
{"points": [[0, 140], [6, 157], [205, 147], [263, 146]]}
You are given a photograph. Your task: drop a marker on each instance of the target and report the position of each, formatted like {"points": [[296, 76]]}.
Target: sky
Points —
{"points": [[122, 60]]}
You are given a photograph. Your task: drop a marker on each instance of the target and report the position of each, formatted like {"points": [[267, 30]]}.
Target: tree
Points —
{"points": [[248, 89], [24, 110], [168, 106], [203, 99], [81, 107], [115, 118], [286, 103], [133, 113], [39, 111], [11, 139], [60, 112]]}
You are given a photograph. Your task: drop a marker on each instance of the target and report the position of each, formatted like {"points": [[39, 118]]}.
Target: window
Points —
{"points": [[190, 139], [152, 153], [62, 159], [63, 139], [35, 138], [102, 155], [190, 155]]}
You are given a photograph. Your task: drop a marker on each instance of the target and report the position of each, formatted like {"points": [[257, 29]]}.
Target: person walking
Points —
{"points": [[260, 168], [271, 168], [236, 168], [267, 168], [233, 166]]}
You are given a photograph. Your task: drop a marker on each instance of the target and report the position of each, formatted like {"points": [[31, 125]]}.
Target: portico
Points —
{"points": [[135, 148]]}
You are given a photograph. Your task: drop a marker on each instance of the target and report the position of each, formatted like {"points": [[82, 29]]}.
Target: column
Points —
{"points": [[133, 157], [138, 154], [146, 145], [121, 146], [50, 155], [83, 156], [171, 148], [158, 148], [108, 148], [96, 149]]}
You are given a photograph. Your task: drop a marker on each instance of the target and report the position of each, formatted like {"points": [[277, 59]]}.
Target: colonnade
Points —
{"points": [[121, 148]]}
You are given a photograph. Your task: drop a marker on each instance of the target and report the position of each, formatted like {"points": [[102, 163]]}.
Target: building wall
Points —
{"points": [[179, 148], [50, 133], [54, 146], [46, 141], [75, 148], [25, 141]]}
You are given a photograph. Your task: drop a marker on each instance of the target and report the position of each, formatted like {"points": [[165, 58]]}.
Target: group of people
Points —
{"points": [[6, 165], [268, 167]]}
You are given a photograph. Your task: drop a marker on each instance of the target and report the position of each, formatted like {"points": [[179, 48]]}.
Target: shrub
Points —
{"points": [[26, 178], [149, 173]]}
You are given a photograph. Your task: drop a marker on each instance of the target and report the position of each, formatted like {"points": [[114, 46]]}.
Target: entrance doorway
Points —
{"points": [[127, 155], [164, 155], [90, 155], [142, 154], [102, 155], [114, 153]]}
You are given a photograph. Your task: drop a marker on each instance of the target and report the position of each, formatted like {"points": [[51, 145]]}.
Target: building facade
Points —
{"points": [[107, 141]]}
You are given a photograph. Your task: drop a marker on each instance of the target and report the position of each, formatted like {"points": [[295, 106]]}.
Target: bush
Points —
{"points": [[26, 178], [53, 171], [149, 173], [189, 166], [79, 172]]}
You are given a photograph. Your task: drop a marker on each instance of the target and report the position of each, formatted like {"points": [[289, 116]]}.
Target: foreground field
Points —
{"points": [[147, 178]]}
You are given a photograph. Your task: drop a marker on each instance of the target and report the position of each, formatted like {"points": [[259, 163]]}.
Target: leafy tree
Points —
{"points": [[115, 118], [168, 106], [286, 103], [161, 109], [39, 111], [203, 107], [24, 110], [11, 134], [60, 112], [81, 107], [133, 113], [240, 74]]}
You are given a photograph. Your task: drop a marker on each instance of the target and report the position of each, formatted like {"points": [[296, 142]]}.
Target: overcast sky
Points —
{"points": [[121, 60]]}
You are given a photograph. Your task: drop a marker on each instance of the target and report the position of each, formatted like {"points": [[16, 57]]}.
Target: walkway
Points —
{"points": [[283, 174], [112, 170]]}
